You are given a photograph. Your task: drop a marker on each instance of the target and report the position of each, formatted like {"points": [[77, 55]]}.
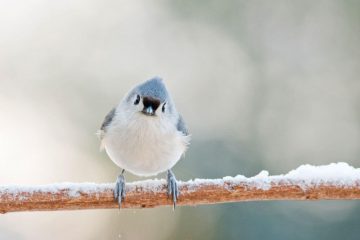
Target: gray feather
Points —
{"points": [[181, 126], [108, 119], [153, 87]]}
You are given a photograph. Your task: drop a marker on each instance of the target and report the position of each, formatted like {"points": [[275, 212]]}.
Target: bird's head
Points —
{"points": [[151, 99]]}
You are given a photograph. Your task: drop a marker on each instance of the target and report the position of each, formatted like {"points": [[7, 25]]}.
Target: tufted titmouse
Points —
{"points": [[145, 135]]}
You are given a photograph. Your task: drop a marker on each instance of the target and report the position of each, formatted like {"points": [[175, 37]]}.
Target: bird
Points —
{"points": [[145, 135]]}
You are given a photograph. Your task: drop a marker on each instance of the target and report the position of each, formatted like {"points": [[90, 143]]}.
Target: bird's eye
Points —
{"points": [[137, 100], [163, 107]]}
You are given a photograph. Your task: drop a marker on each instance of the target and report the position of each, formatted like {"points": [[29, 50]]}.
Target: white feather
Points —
{"points": [[144, 145]]}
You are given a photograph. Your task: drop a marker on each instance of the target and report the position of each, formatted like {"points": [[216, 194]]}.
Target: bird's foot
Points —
{"points": [[173, 189], [119, 191]]}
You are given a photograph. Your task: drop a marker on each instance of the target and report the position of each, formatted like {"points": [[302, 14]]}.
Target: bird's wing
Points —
{"points": [[108, 119], [181, 126]]}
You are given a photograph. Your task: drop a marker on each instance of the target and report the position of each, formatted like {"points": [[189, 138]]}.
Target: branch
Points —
{"points": [[334, 181]]}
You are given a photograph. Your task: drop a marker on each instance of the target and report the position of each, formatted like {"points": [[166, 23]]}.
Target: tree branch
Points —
{"points": [[152, 193]]}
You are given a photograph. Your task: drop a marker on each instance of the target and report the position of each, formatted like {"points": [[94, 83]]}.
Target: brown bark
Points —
{"points": [[153, 194]]}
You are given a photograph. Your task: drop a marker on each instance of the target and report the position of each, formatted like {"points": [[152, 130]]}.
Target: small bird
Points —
{"points": [[145, 135]]}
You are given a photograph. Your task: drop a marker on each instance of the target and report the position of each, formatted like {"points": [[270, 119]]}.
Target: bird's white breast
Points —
{"points": [[145, 145]]}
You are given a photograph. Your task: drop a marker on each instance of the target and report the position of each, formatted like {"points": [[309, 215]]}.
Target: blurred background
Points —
{"points": [[262, 85]]}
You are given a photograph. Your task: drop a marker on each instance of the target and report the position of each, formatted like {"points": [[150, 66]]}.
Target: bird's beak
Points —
{"points": [[149, 110]]}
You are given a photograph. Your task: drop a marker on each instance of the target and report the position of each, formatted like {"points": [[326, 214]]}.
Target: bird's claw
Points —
{"points": [[173, 189], [119, 191]]}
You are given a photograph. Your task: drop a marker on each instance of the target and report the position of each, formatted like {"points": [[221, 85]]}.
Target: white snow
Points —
{"points": [[337, 174], [73, 189]]}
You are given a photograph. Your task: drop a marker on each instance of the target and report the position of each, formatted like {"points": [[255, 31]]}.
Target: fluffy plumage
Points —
{"points": [[142, 144]]}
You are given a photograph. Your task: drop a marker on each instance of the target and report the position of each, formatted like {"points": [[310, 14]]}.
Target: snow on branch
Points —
{"points": [[334, 181]]}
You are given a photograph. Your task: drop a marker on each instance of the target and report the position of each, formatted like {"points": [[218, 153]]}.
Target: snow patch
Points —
{"points": [[336, 174]]}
